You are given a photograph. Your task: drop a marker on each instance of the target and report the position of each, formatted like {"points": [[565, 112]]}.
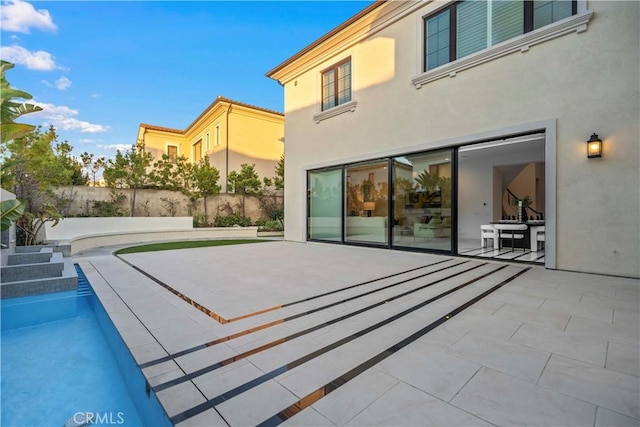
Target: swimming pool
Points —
{"points": [[71, 368]]}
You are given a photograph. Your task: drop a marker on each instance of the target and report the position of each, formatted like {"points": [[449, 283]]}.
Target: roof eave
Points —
{"points": [[275, 73]]}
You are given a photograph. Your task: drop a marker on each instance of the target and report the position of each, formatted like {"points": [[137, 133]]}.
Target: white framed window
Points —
{"points": [[172, 153], [216, 137], [197, 151], [465, 34], [336, 84], [207, 143], [467, 27]]}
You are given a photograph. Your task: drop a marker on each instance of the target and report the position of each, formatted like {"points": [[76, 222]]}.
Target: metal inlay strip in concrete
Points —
{"points": [[284, 368], [279, 341], [321, 392], [299, 315], [222, 320]]}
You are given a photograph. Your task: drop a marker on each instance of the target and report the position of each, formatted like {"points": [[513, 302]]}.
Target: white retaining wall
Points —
{"points": [[71, 228], [83, 243]]}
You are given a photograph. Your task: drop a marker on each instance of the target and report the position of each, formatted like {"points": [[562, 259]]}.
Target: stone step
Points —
{"points": [[22, 272], [64, 248], [30, 257], [38, 287], [66, 281]]}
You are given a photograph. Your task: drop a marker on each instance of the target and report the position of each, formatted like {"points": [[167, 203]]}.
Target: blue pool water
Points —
{"points": [[54, 370]]}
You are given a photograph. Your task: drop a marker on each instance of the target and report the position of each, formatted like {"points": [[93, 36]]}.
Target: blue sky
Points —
{"points": [[99, 69]]}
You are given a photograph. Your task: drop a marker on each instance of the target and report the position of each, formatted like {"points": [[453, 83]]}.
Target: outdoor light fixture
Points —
{"points": [[594, 146]]}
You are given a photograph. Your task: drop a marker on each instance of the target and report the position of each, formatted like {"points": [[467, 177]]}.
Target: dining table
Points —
{"points": [[532, 226]]}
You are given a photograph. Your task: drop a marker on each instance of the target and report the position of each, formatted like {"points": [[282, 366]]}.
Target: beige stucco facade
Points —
{"points": [[229, 133], [576, 77]]}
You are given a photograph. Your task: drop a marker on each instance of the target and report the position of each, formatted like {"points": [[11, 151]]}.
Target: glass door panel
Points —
{"points": [[422, 200], [367, 202], [325, 205]]}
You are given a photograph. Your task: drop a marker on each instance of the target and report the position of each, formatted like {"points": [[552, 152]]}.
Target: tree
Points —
{"points": [[205, 181], [278, 180], [245, 182], [174, 175], [11, 210], [11, 110], [271, 204], [35, 170], [31, 167], [63, 152], [93, 166], [129, 170]]}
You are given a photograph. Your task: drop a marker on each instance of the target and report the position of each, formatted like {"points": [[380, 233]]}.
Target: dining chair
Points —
{"points": [[488, 232], [511, 230]]}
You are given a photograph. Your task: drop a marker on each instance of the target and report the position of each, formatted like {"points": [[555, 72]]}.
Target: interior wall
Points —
{"points": [[476, 186]]}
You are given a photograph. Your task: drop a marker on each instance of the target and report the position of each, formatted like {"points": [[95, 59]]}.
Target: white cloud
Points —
{"points": [[20, 17], [63, 83], [116, 147], [86, 141], [96, 95], [39, 60], [63, 117]]}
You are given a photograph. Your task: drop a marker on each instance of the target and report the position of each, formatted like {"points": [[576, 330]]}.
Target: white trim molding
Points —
{"points": [[523, 43], [171, 144], [342, 108]]}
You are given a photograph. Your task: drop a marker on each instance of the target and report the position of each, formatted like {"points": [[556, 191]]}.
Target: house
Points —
{"points": [[228, 132], [413, 124]]}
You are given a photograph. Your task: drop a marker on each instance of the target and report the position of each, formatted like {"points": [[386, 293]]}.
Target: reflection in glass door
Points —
{"points": [[325, 204], [422, 200], [367, 202]]}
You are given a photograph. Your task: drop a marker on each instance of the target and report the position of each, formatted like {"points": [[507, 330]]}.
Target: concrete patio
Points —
{"points": [[318, 334]]}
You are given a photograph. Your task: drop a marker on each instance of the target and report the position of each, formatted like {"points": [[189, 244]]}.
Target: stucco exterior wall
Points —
{"points": [[245, 135], [156, 142], [583, 83], [255, 138]]}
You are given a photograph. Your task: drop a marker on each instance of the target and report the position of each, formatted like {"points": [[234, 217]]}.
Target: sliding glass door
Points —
{"points": [[367, 203], [325, 205], [422, 200]]}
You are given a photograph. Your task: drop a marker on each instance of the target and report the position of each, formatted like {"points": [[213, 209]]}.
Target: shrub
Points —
{"points": [[272, 225], [200, 221], [107, 208], [231, 220]]}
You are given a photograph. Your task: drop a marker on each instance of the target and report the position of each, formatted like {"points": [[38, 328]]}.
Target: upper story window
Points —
{"points": [[197, 151], [469, 26], [336, 84], [172, 153]]}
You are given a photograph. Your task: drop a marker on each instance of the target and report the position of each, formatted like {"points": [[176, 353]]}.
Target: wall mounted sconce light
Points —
{"points": [[594, 146]]}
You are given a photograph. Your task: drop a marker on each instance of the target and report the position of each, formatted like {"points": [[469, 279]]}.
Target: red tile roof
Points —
{"points": [[219, 99]]}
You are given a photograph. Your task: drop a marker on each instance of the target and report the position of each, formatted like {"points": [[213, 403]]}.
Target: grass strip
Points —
{"points": [[185, 245]]}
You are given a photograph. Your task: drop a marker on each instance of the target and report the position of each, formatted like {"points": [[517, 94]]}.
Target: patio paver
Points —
{"points": [[531, 353]]}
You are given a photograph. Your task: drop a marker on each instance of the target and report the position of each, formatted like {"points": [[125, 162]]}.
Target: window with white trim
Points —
{"points": [[469, 26], [172, 153], [207, 146], [336, 84], [197, 151], [217, 135]]}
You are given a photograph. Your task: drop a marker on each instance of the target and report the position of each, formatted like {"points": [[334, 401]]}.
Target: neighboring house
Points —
{"points": [[228, 132], [414, 123]]}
